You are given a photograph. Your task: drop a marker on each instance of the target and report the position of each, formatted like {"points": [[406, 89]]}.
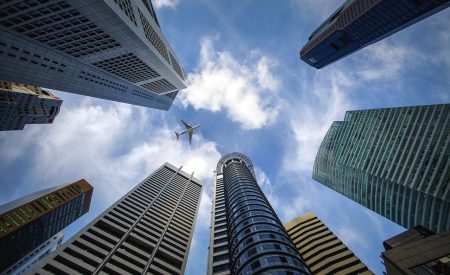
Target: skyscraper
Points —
{"points": [[322, 251], [24, 104], [394, 161], [28, 222], [359, 23], [417, 251], [246, 235], [112, 49], [21, 266], [148, 231]]}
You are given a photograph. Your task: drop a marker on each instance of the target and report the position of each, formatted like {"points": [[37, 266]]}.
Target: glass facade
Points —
{"points": [[359, 23], [393, 161], [28, 222], [246, 235]]}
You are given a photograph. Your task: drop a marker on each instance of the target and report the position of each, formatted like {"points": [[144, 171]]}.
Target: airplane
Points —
{"points": [[189, 129]]}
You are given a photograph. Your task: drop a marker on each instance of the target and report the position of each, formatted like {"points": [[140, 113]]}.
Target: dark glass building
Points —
{"points": [[246, 235], [394, 161], [28, 222], [359, 23], [417, 251], [148, 231]]}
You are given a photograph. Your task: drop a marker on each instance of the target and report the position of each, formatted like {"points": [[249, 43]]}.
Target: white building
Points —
{"points": [[111, 49]]}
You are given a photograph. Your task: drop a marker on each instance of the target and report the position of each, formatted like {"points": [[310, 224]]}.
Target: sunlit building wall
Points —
{"points": [[322, 250]]}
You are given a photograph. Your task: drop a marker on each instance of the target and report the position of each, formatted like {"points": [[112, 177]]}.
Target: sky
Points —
{"points": [[251, 93]]}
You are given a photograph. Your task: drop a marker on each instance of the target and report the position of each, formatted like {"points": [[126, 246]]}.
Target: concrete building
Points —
{"points": [[147, 231], [28, 222], [359, 23], [417, 251], [323, 252], [112, 49], [393, 161], [23, 104], [246, 235], [21, 266]]}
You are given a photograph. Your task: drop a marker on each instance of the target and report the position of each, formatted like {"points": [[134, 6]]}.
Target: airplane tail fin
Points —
{"points": [[178, 135]]}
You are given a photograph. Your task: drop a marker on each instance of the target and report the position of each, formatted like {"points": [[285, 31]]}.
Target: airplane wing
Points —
{"points": [[185, 123], [182, 132], [190, 137]]}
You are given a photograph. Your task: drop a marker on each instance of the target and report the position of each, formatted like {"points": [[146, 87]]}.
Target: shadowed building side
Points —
{"points": [[23, 104], [323, 252], [28, 222], [359, 23], [417, 251]]}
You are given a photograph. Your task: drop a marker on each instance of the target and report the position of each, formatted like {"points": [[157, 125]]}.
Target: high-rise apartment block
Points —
{"points": [[111, 49], [394, 161], [148, 231], [246, 235], [417, 251], [28, 222], [359, 23], [23, 104], [323, 252], [21, 266]]}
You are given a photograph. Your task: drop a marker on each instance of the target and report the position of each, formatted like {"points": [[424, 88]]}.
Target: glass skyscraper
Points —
{"points": [[359, 23], [111, 49], [28, 222], [246, 235], [148, 231], [394, 161]]}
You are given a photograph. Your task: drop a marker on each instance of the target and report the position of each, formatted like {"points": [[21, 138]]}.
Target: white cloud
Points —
{"points": [[351, 237], [113, 146], [384, 60], [310, 117], [245, 89], [165, 3]]}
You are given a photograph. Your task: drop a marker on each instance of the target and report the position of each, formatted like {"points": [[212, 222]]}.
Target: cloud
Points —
{"points": [[246, 89], [322, 101], [114, 146], [166, 3], [385, 60]]}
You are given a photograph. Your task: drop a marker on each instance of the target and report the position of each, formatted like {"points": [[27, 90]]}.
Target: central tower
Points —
{"points": [[246, 235]]}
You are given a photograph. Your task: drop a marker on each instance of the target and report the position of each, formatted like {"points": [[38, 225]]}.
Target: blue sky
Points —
{"points": [[250, 91]]}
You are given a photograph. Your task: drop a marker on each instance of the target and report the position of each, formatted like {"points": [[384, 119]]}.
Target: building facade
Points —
{"points": [[28, 222], [246, 235], [148, 231], [417, 251], [393, 161], [323, 252], [21, 266], [359, 23], [111, 49], [23, 104]]}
